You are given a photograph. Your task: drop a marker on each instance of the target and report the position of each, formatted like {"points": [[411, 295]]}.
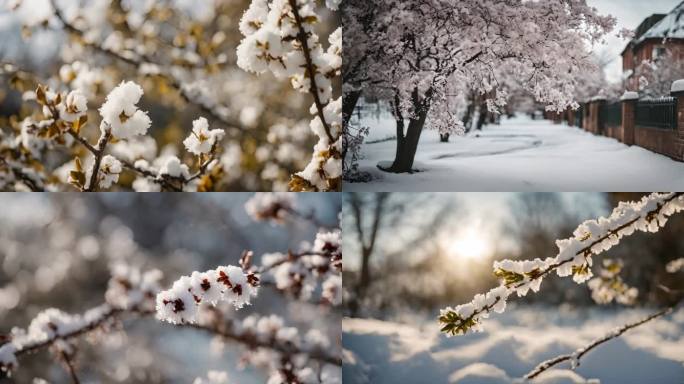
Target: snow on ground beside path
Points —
{"points": [[383, 352], [519, 155]]}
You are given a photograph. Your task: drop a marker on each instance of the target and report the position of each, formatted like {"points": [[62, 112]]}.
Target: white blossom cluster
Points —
{"points": [[675, 265], [202, 139], [226, 283], [298, 274], [121, 114], [608, 286], [49, 325], [281, 39], [574, 257], [131, 289], [274, 206]]}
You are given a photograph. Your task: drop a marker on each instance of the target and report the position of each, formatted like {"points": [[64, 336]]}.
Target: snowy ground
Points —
{"points": [[382, 352], [519, 155]]}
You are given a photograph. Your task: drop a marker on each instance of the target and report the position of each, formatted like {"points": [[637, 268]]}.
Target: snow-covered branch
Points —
{"points": [[574, 258], [575, 357]]}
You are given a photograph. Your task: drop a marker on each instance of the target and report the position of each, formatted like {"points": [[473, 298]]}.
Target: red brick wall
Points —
{"points": [[614, 132], [657, 140]]}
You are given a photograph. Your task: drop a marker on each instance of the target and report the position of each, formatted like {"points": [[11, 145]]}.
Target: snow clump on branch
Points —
{"points": [[226, 283]]}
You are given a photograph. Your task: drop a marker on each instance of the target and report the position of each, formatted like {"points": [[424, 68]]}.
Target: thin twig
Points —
{"points": [[577, 355], [70, 367], [310, 217], [99, 152], [253, 342]]}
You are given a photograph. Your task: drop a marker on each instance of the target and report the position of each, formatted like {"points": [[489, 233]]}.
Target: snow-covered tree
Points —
{"points": [[412, 51]]}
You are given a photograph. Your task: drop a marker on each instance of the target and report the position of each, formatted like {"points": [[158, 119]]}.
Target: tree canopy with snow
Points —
{"points": [[419, 55]]}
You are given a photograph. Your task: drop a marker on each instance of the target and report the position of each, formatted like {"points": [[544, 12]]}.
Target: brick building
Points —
{"points": [[657, 35]]}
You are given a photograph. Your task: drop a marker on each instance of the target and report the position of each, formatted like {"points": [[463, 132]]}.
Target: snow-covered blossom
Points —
{"points": [[173, 167], [109, 171], [275, 206], [131, 289], [608, 286], [226, 283], [201, 139], [574, 256], [675, 265], [298, 274], [121, 114], [74, 106]]}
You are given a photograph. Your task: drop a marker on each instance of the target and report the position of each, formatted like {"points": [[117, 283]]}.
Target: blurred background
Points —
{"points": [[55, 251], [194, 41], [411, 254]]}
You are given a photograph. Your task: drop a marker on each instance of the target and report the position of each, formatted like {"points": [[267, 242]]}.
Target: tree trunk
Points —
{"points": [[481, 118], [444, 137], [408, 145], [349, 101], [467, 119]]}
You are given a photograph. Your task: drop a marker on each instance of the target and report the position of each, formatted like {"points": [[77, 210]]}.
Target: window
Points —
{"points": [[658, 52]]}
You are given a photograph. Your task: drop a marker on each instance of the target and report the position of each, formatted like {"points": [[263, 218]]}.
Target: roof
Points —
{"points": [[660, 26], [671, 26]]}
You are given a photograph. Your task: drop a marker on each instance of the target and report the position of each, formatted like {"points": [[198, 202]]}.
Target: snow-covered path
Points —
{"points": [[384, 352], [519, 155]]}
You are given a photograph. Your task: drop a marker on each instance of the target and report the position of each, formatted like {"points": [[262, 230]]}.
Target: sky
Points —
{"points": [[629, 14]]}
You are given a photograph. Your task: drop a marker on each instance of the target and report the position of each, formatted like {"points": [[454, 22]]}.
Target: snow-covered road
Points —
{"points": [[519, 155]]}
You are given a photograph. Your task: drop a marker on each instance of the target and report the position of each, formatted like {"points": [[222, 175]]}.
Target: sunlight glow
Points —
{"points": [[468, 245]]}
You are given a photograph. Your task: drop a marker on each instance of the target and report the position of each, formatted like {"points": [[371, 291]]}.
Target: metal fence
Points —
{"points": [[579, 116], [657, 113], [610, 115]]}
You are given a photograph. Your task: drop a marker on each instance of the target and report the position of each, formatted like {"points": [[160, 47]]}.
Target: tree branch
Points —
{"points": [[99, 152], [253, 342], [577, 355], [313, 88], [70, 367]]}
